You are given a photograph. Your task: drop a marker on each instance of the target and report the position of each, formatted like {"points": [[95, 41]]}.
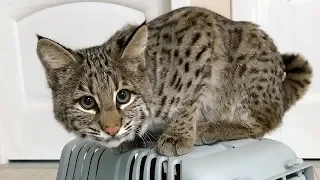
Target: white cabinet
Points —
{"points": [[295, 27], [28, 130]]}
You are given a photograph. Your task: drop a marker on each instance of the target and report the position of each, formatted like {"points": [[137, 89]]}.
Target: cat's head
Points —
{"points": [[100, 92]]}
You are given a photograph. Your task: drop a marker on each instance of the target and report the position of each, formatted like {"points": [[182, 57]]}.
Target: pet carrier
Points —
{"points": [[247, 159]]}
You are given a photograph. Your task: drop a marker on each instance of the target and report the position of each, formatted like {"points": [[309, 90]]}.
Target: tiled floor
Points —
{"points": [[48, 171]]}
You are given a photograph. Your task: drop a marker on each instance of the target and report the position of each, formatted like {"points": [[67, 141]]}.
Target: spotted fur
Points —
{"points": [[196, 76]]}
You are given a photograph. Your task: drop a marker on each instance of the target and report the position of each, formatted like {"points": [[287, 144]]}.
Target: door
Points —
{"points": [[295, 27], [28, 130]]}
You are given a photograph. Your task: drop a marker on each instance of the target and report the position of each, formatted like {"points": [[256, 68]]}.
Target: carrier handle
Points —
{"points": [[294, 162]]}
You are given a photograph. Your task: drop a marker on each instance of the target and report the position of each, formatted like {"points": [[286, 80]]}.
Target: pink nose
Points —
{"points": [[112, 130]]}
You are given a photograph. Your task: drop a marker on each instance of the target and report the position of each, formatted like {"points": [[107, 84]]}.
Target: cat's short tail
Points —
{"points": [[298, 78]]}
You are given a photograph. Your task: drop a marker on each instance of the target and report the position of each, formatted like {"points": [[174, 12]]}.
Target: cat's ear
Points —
{"points": [[52, 54], [137, 42]]}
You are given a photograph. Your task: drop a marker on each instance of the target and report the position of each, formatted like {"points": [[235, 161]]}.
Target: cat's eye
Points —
{"points": [[123, 96], [87, 102]]}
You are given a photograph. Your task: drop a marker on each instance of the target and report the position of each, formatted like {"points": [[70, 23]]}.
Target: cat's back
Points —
{"points": [[184, 15], [185, 39], [178, 27]]}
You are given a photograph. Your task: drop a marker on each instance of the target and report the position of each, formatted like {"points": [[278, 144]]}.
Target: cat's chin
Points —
{"points": [[111, 144]]}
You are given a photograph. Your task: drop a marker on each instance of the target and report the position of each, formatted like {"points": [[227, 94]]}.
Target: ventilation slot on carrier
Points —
{"points": [[164, 170], [289, 176], [131, 167], [153, 168], [143, 162], [295, 175], [177, 172]]}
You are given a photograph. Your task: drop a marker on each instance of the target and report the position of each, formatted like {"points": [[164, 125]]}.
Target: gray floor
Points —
{"points": [[29, 171], [316, 165], [48, 170]]}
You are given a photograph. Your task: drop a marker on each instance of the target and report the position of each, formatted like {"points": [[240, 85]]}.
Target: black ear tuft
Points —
{"points": [[136, 42], [134, 32], [42, 37], [53, 55], [39, 37]]}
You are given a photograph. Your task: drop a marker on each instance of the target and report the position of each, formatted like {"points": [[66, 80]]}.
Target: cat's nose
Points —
{"points": [[112, 130]]}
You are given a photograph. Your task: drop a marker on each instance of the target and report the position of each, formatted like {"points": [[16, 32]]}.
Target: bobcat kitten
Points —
{"points": [[201, 77]]}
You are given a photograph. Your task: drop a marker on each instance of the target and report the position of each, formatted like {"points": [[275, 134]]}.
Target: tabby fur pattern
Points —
{"points": [[193, 75]]}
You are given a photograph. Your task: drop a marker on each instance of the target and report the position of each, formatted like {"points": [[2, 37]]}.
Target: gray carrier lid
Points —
{"points": [[240, 159]]}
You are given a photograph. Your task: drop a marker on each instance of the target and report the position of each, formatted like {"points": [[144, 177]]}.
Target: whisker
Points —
{"points": [[136, 123], [97, 138], [92, 133], [144, 142], [92, 129], [127, 128], [148, 133], [127, 124], [125, 134], [147, 136]]}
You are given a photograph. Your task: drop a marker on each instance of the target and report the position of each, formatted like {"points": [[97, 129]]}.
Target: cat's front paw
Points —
{"points": [[170, 145]]}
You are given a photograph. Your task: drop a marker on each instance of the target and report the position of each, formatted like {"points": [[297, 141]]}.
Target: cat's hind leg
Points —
{"points": [[211, 132], [260, 120]]}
